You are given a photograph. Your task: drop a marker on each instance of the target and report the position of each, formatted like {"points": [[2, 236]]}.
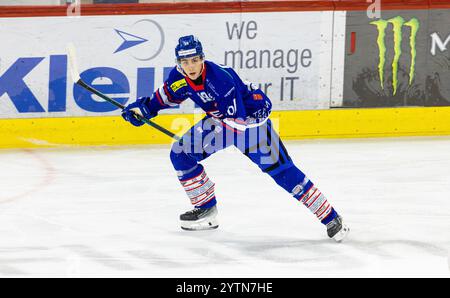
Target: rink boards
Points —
{"points": [[311, 60], [112, 130]]}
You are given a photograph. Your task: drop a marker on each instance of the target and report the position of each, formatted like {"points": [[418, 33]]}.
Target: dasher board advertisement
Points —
{"points": [[288, 54], [401, 59]]}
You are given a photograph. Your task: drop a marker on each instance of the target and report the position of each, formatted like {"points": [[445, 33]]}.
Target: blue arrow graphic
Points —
{"points": [[129, 40]]}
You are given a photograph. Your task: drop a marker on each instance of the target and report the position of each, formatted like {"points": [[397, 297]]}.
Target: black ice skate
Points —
{"points": [[337, 229], [199, 219]]}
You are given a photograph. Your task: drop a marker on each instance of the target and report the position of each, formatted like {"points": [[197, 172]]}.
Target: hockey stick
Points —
{"points": [[77, 79]]}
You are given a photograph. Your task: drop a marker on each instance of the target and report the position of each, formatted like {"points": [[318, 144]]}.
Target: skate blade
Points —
{"points": [[342, 234], [201, 225], [199, 229]]}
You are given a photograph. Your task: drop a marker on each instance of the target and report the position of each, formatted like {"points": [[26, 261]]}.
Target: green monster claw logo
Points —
{"points": [[397, 25]]}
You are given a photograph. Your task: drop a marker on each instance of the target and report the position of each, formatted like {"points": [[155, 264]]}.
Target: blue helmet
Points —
{"points": [[188, 46]]}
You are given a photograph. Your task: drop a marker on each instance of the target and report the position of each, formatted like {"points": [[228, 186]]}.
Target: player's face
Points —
{"points": [[192, 67]]}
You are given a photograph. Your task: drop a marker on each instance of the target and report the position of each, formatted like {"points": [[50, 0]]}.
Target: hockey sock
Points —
{"points": [[318, 204], [199, 188]]}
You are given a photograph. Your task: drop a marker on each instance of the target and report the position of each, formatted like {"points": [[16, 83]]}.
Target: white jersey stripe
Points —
{"points": [[164, 97]]}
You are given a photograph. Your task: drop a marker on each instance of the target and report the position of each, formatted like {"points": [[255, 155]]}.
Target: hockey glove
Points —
{"points": [[140, 107]]}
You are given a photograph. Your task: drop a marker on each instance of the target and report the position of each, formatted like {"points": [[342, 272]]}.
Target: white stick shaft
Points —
{"points": [[71, 55]]}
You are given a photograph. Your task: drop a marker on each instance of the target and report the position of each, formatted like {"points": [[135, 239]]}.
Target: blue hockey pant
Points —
{"points": [[261, 145]]}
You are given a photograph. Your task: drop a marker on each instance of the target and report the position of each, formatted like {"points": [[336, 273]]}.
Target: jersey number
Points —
{"points": [[205, 97]]}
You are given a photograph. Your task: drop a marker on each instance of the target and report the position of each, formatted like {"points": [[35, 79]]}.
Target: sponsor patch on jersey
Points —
{"points": [[178, 84], [257, 97]]}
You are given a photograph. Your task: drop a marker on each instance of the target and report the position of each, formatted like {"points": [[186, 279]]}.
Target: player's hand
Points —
{"points": [[139, 107]]}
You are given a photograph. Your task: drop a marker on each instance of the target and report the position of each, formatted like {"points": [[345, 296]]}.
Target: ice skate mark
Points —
{"points": [[10, 271], [44, 182], [154, 259], [50, 222], [277, 250], [88, 254], [23, 249], [384, 248], [210, 255], [12, 266]]}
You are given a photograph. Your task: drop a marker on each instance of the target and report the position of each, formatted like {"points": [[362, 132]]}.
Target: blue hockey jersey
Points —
{"points": [[222, 95]]}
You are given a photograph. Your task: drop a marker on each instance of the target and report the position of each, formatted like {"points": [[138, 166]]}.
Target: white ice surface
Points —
{"points": [[103, 212]]}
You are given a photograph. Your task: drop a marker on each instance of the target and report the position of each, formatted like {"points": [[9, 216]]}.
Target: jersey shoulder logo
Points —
{"points": [[178, 84]]}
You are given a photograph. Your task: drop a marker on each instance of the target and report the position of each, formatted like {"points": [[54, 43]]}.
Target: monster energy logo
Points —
{"points": [[397, 25]]}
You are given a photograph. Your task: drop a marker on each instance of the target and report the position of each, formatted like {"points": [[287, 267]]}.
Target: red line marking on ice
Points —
{"points": [[45, 181]]}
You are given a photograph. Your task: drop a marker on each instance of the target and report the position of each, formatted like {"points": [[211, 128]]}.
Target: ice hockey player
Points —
{"points": [[237, 114]]}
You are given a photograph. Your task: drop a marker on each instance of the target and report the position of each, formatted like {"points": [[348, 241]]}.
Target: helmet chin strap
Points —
{"points": [[203, 67], [180, 70]]}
